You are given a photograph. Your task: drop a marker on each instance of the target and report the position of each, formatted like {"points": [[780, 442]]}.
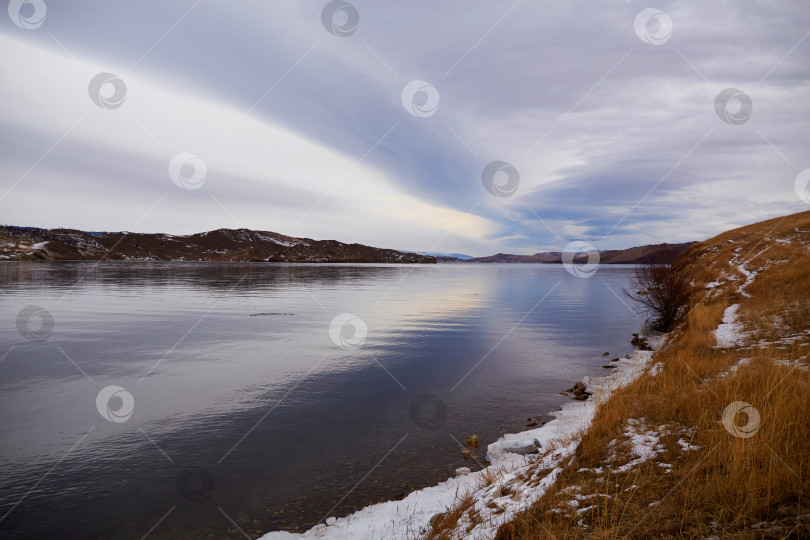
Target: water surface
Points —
{"points": [[245, 409]]}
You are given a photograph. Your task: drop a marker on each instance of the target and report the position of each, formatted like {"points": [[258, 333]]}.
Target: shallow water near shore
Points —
{"points": [[245, 409]]}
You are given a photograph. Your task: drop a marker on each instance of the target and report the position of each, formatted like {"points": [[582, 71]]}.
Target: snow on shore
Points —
{"points": [[729, 332], [523, 466]]}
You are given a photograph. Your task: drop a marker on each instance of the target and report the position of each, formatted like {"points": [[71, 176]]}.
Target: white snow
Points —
{"points": [[733, 369], [749, 277], [655, 340], [749, 274], [645, 444], [524, 465], [267, 238], [729, 332], [686, 446]]}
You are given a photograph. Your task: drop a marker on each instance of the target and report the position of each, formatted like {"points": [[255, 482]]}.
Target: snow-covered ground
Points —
{"points": [[523, 466], [729, 332]]}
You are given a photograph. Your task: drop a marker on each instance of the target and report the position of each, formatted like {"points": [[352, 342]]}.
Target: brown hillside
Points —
{"points": [[228, 245]]}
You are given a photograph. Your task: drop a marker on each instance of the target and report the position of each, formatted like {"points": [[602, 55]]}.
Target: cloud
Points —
{"points": [[617, 141]]}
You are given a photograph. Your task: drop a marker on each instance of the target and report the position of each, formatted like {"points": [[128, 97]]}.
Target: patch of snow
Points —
{"points": [[645, 444], [583, 510], [685, 446], [785, 340], [792, 364], [749, 277], [267, 238], [655, 340], [729, 332], [733, 369]]}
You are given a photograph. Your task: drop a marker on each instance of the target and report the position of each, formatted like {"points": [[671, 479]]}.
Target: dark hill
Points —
{"points": [[230, 245]]}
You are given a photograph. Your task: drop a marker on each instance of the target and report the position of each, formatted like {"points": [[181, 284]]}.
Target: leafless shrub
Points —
{"points": [[661, 287]]}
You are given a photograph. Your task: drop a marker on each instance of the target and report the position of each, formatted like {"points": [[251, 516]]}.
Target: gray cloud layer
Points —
{"points": [[616, 140]]}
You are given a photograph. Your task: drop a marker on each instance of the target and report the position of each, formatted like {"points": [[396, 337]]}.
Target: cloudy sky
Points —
{"points": [[377, 122]]}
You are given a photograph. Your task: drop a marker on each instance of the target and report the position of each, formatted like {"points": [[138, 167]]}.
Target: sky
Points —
{"points": [[462, 126]]}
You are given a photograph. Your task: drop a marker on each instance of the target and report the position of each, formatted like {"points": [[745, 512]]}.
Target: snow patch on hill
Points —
{"points": [[729, 332]]}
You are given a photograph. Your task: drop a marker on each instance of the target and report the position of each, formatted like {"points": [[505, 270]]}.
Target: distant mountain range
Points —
{"points": [[634, 255], [227, 245], [245, 245]]}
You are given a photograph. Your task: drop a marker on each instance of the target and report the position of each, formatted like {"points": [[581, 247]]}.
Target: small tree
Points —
{"points": [[662, 286]]}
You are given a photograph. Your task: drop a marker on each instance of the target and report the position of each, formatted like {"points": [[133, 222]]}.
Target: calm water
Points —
{"points": [[243, 406]]}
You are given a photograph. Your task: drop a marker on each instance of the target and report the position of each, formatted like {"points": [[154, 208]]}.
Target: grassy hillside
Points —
{"points": [[713, 440]]}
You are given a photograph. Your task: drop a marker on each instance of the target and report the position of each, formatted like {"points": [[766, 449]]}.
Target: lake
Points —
{"points": [[181, 399]]}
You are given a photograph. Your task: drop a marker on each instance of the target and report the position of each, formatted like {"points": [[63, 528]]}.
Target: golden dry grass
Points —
{"points": [[730, 486], [443, 524]]}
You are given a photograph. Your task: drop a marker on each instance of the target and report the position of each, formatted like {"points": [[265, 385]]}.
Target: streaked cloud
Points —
{"points": [[303, 132]]}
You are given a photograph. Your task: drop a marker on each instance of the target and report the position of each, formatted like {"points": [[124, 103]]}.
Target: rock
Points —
{"points": [[472, 441], [627, 357], [466, 453], [500, 428], [581, 397], [331, 520], [640, 342], [522, 450], [615, 360], [462, 471], [577, 392], [609, 367], [605, 353], [533, 424], [570, 389], [563, 393], [579, 386]]}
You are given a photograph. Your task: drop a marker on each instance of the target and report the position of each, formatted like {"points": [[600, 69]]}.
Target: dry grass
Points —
{"points": [[443, 524], [729, 486]]}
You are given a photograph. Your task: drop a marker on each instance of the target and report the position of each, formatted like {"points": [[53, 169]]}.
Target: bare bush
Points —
{"points": [[661, 287]]}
